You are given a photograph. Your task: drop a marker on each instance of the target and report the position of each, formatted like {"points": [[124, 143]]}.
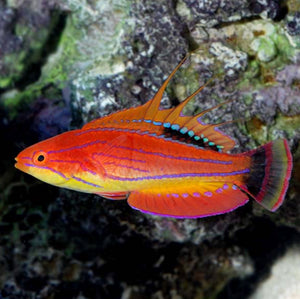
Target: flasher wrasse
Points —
{"points": [[162, 162]]}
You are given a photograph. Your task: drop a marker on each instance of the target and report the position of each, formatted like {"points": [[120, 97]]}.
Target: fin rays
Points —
{"points": [[150, 118], [155, 102], [218, 198]]}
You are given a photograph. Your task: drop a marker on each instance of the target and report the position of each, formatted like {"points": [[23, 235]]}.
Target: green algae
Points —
{"points": [[262, 133], [14, 65], [84, 52], [71, 64], [289, 124], [265, 48], [266, 43]]}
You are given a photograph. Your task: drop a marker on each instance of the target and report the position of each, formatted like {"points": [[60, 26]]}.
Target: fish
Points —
{"points": [[163, 162]]}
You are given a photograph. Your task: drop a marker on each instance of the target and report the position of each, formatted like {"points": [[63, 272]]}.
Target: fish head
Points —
{"points": [[41, 160]]}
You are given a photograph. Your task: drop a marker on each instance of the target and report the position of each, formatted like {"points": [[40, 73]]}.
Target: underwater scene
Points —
{"points": [[150, 149]]}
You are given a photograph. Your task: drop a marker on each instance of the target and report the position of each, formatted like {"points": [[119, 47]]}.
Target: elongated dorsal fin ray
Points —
{"points": [[177, 111], [148, 111], [155, 102], [149, 118]]}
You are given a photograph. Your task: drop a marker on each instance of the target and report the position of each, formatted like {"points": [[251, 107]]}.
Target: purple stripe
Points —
{"points": [[134, 149], [173, 157], [208, 194], [76, 162], [104, 129], [116, 157], [48, 168], [181, 175], [78, 146], [86, 182], [126, 166], [141, 133]]}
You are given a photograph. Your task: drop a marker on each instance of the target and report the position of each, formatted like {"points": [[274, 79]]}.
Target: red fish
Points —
{"points": [[162, 162]]}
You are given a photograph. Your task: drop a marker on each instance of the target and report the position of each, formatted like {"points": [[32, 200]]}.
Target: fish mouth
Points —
{"points": [[19, 165], [16, 164]]}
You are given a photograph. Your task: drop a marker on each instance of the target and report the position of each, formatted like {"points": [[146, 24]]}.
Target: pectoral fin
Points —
{"points": [[113, 195]]}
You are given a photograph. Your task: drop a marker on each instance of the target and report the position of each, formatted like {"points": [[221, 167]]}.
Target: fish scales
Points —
{"points": [[163, 162]]}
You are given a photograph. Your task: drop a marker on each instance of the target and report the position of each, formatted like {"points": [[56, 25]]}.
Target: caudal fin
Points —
{"points": [[270, 173]]}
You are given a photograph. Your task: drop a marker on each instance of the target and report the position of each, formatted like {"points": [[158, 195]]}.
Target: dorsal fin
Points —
{"points": [[150, 118], [146, 112]]}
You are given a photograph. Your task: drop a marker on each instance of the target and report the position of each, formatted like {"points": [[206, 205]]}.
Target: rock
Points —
{"points": [[78, 60], [283, 281]]}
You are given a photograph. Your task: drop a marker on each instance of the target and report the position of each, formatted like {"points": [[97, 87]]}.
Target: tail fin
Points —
{"points": [[270, 173]]}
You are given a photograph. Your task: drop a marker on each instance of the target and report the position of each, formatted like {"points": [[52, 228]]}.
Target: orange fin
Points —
{"points": [[113, 195], [150, 118], [134, 117], [218, 199]]}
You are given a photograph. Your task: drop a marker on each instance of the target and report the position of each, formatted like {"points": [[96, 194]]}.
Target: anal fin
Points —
{"points": [[217, 199]]}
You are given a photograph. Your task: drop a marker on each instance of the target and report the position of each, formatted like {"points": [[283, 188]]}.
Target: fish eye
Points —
{"points": [[40, 157]]}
